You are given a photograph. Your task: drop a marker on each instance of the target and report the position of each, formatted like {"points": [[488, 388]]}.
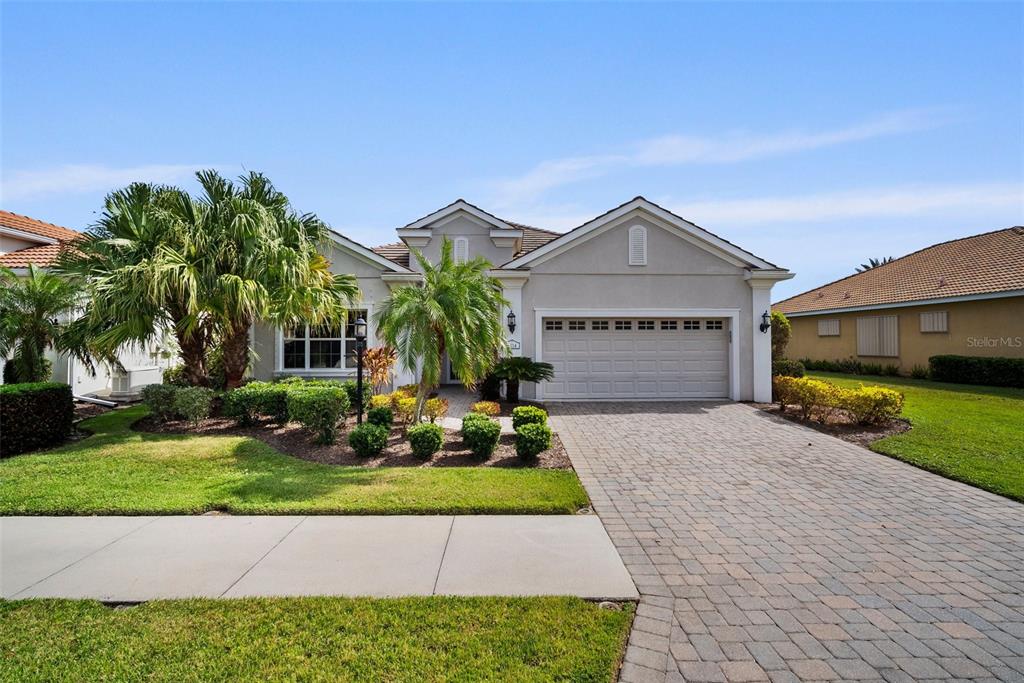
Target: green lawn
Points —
{"points": [[121, 471], [313, 639], [969, 433]]}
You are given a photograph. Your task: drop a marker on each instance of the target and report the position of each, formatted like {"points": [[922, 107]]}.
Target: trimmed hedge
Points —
{"points": [[368, 440], [381, 416], [994, 371], [818, 400], [351, 388], [787, 368], [160, 400], [193, 403], [34, 415], [425, 439], [318, 407], [258, 398]]}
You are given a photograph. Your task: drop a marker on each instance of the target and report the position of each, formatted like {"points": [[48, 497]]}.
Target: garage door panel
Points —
{"points": [[658, 363]]}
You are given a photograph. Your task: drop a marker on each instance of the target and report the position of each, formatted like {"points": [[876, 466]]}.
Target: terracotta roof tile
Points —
{"points": [[41, 228], [43, 255], [981, 264]]}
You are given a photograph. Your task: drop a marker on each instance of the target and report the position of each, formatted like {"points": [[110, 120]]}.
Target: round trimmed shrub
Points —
{"points": [[193, 403], [425, 439], [532, 439], [159, 398], [528, 415], [472, 417], [368, 440], [318, 407], [481, 436], [381, 415]]}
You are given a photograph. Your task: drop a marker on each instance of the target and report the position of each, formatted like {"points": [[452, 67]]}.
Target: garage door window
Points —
{"points": [[645, 324], [577, 325], [621, 325], [552, 325], [669, 325], [691, 324], [599, 325], [713, 325]]}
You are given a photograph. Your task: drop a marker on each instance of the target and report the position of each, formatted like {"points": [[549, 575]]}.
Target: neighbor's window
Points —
{"points": [[323, 347], [935, 321], [599, 325], [645, 324], [638, 246], [828, 328], [878, 336]]}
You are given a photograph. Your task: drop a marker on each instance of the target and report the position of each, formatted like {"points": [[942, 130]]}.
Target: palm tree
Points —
{"points": [[34, 311], [455, 310], [262, 264], [874, 263], [521, 369]]}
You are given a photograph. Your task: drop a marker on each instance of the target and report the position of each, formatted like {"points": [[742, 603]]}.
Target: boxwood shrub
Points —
{"points": [[193, 403], [258, 398], [787, 368], [425, 439], [381, 415], [526, 415], [34, 415], [318, 407], [368, 440], [351, 388], [159, 398], [481, 435], [992, 371], [532, 439]]}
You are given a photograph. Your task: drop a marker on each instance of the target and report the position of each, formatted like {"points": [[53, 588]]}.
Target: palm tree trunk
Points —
{"points": [[235, 352], [193, 357], [512, 390]]}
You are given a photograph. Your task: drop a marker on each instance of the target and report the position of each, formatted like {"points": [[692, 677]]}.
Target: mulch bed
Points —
{"points": [[297, 442], [85, 410], [842, 427]]}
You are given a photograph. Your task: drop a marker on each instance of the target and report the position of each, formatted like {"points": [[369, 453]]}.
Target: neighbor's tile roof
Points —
{"points": [[41, 228], [982, 264], [42, 256], [533, 238]]}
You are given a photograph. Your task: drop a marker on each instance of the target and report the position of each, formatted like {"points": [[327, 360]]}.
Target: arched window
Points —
{"points": [[460, 250], [638, 246]]}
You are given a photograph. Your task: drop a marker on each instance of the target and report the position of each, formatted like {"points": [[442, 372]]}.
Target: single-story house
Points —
{"points": [[637, 303], [963, 297], [27, 241]]}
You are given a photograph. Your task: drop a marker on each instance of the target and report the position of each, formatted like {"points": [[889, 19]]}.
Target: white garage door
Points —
{"points": [[637, 358]]}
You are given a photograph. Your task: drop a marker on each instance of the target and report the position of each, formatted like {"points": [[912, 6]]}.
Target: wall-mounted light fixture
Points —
{"points": [[511, 318], [766, 321]]}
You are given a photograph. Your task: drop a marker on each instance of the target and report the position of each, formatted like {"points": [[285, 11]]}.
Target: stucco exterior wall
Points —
{"points": [[477, 236], [9, 244], [596, 275], [989, 327]]}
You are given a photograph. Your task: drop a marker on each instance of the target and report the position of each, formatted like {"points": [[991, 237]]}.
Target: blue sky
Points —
{"points": [[814, 135]]}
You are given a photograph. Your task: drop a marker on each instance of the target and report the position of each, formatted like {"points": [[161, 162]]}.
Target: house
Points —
{"points": [[637, 303], [27, 241], [963, 297]]}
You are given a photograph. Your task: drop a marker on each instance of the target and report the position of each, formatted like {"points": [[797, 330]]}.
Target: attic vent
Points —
{"points": [[942, 282], [846, 295], [821, 295], [1018, 230], [461, 249], [638, 246]]}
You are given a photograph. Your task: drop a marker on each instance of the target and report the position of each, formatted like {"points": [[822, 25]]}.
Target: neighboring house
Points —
{"points": [[636, 303], [962, 297], [26, 241]]}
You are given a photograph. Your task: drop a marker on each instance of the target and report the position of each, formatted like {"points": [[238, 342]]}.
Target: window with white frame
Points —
{"points": [[552, 325], [878, 336], [460, 249], [599, 325], [621, 325], [638, 246], [321, 347], [828, 328], [935, 321]]}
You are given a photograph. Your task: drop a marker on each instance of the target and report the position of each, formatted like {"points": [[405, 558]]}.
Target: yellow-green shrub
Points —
{"points": [[435, 408], [405, 408], [489, 408], [381, 401], [820, 400], [873, 405]]}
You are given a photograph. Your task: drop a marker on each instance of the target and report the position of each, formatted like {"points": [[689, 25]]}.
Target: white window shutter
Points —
{"points": [[878, 336], [638, 246], [828, 328], [934, 321]]}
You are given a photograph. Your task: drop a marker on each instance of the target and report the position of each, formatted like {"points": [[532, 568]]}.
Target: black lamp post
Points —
{"points": [[360, 326]]}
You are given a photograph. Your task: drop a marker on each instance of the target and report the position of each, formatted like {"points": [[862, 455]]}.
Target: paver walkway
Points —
{"points": [[128, 559], [763, 549]]}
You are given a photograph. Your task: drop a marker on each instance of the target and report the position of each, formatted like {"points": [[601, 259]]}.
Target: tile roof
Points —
{"points": [[41, 228], [533, 238], [981, 264], [42, 256]]}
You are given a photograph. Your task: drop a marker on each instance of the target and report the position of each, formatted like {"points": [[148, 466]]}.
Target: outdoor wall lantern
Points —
{"points": [[766, 321], [360, 326], [511, 322]]}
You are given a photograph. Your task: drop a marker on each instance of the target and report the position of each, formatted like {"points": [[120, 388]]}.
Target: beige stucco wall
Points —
{"points": [[596, 275], [989, 327], [478, 238], [9, 244]]}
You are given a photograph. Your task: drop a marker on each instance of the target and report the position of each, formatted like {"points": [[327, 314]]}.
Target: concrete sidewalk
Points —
{"points": [[144, 558]]}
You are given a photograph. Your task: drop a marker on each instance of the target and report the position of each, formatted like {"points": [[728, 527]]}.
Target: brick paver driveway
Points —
{"points": [[763, 549]]}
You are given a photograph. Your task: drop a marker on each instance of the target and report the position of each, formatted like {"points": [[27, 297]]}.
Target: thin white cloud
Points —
{"points": [[79, 178], [678, 150], [912, 200]]}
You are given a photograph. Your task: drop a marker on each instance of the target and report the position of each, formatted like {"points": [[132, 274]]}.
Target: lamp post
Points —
{"points": [[360, 326]]}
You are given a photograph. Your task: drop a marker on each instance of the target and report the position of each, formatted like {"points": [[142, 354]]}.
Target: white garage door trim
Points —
{"points": [[733, 314]]}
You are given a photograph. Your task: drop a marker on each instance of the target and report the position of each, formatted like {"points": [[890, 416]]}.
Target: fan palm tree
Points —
{"points": [[33, 318], [455, 310], [262, 264], [874, 263]]}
